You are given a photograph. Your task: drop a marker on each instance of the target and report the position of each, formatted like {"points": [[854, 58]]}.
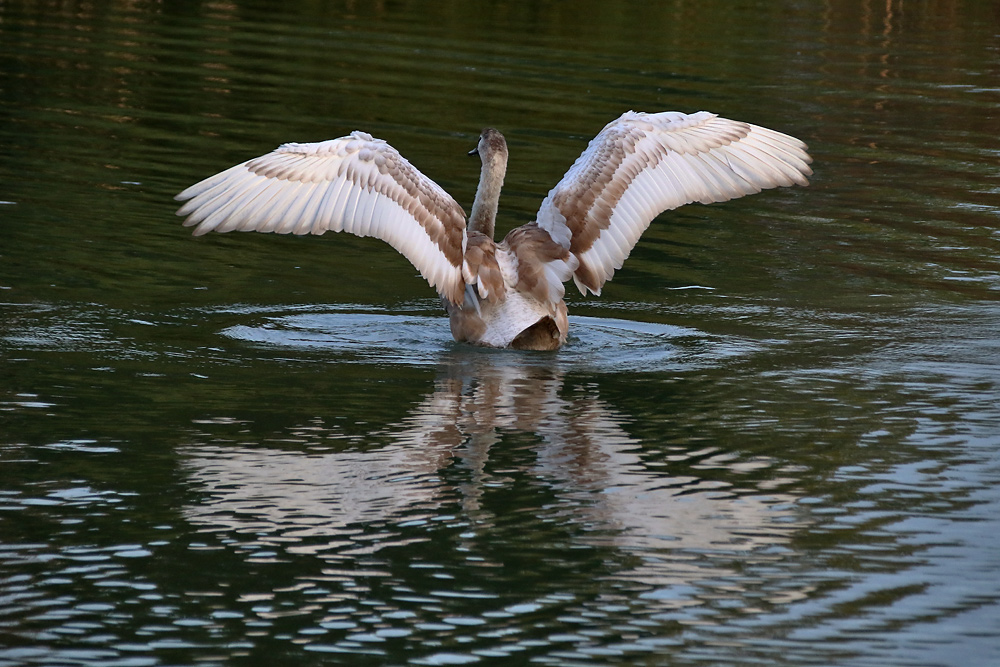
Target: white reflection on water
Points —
{"points": [[676, 529]]}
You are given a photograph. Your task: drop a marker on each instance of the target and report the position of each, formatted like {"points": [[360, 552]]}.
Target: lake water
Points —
{"points": [[774, 440]]}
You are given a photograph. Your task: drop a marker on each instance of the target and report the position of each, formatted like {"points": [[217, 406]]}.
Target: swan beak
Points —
{"points": [[474, 151]]}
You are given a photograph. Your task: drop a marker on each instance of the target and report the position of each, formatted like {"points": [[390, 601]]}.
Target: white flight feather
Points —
{"points": [[676, 159], [336, 185]]}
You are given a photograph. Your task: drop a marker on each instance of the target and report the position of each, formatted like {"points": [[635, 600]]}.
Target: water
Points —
{"points": [[773, 440]]}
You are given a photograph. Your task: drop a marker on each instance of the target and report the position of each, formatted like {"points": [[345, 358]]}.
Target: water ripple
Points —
{"points": [[595, 344]]}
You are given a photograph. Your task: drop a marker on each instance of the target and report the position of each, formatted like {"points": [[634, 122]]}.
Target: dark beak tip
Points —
{"points": [[474, 151]]}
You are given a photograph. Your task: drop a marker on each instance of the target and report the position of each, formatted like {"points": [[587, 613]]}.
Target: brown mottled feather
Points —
{"points": [[534, 249], [481, 268]]}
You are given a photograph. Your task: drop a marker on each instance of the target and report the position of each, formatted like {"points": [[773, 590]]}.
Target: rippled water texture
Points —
{"points": [[773, 439]]}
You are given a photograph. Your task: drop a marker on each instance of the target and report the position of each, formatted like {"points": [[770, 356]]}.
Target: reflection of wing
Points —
{"points": [[291, 498], [315, 503], [589, 455], [643, 164], [356, 184]]}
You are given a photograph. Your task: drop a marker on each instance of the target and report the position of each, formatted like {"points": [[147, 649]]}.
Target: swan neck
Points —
{"points": [[484, 209]]}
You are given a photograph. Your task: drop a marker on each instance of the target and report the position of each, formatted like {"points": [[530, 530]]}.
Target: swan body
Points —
{"points": [[506, 294]]}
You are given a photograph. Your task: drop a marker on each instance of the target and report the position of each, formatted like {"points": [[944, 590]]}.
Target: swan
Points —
{"points": [[507, 294]]}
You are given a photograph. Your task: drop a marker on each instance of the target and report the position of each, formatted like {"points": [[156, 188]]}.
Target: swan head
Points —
{"points": [[492, 147]]}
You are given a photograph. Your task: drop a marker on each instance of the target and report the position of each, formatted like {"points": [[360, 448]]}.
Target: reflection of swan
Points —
{"points": [[508, 294], [317, 503]]}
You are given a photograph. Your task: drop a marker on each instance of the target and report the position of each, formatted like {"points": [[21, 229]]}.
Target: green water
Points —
{"points": [[772, 440]]}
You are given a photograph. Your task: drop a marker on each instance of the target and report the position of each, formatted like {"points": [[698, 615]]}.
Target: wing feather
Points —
{"points": [[356, 184], [310, 213], [292, 217], [541, 264], [643, 164], [328, 211]]}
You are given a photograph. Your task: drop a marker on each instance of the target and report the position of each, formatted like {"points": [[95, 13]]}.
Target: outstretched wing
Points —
{"points": [[643, 164], [356, 184]]}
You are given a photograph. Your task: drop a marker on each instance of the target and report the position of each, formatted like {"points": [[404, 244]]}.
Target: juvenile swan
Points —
{"points": [[507, 294]]}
